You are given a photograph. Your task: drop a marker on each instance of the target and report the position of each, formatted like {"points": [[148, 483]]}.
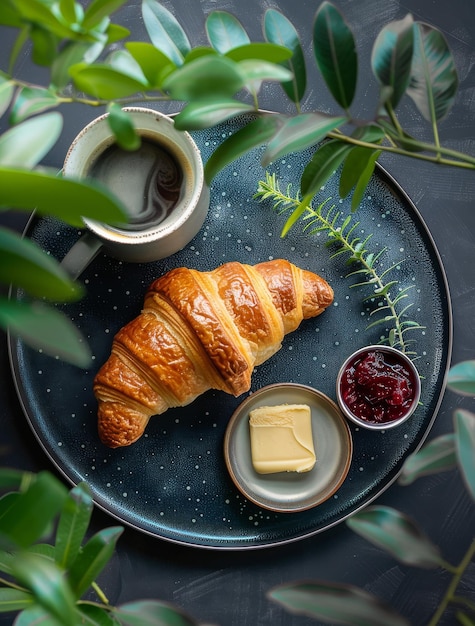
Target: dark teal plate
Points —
{"points": [[173, 483]]}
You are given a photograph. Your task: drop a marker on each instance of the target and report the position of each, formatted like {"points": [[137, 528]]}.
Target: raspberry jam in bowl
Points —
{"points": [[378, 387]]}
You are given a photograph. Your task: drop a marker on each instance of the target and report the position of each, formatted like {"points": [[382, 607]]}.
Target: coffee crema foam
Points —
{"points": [[149, 181]]}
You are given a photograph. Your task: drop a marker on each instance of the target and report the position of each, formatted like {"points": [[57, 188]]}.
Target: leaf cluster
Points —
{"points": [[48, 582], [92, 60], [389, 310], [24, 265], [50, 563], [399, 535], [53, 581]]}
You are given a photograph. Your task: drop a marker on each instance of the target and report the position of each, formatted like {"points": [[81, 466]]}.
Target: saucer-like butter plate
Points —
{"points": [[288, 492]]}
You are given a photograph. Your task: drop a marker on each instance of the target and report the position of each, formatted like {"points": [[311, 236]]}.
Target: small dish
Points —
{"points": [[289, 492], [378, 387]]}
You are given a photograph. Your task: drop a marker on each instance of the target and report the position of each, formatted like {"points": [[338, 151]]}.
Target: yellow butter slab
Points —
{"points": [[281, 438]]}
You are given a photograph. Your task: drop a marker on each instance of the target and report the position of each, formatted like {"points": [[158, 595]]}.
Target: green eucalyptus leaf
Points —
{"points": [[97, 10], [356, 173], [335, 603], [298, 133], [71, 11], [15, 479], [18, 45], [204, 114], [45, 46], [252, 135], [199, 51], [324, 163], [7, 547], [465, 446], [279, 30], [26, 144], [24, 522], [73, 52], [354, 166], [7, 90], [391, 57], [165, 32], [92, 559], [204, 78], [272, 53], [38, 12], [123, 128], [36, 615], [31, 101], [436, 456], [124, 62], [73, 524], [9, 15], [152, 613], [371, 133], [363, 181], [116, 32], [44, 328], [335, 53], [434, 82], [43, 549], [26, 265], [92, 615], [47, 584], [397, 534], [253, 70], [154, 63], [14, 599], [461, 378], [225, 31], [68, 199], [105, 82]]}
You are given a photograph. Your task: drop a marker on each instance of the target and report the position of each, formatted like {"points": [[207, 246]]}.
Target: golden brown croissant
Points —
{"points": [[200, 331]]}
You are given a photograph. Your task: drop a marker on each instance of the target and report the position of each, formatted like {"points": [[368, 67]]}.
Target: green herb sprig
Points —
{"points": [[340, 232]]}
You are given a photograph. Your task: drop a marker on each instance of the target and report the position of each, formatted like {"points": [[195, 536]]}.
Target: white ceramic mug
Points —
{"points": [[162, 221]]}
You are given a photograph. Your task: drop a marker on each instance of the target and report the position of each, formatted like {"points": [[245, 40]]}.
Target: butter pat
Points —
{"points": [[281, 438]]}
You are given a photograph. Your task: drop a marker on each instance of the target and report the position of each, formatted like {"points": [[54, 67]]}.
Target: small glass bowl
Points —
{"points": [[378, 413]]}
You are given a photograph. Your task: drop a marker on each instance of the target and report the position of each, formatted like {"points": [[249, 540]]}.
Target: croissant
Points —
{"points": [[200, 331]]}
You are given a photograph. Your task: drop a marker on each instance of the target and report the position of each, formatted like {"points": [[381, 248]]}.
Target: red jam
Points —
{"points": [[377, 387]]}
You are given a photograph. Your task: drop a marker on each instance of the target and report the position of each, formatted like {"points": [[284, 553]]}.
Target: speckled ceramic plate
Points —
{"points": [[173, 483], [289, 492]]}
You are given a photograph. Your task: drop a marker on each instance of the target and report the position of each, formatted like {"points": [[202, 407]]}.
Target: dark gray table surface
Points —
{"points": [[229, 588]]}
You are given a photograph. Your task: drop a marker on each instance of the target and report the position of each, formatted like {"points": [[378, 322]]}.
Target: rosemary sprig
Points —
{"points": [[340, 232]]}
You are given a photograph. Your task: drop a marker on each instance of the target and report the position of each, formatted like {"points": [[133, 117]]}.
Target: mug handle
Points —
{"points": [[82, 253]]}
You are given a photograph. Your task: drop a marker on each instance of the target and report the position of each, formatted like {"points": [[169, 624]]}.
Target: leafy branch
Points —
{"points": [[52, 576], [340, 233], [400, 536], [93, 61], [51, 582]]}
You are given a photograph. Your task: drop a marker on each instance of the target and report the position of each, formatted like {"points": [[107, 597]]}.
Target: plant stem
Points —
{"points": [[441, 155], [8, 583], [450, 593], [100, 594], [468, 161]]}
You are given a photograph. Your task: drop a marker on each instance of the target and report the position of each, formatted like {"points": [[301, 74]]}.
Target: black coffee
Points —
{"points": [[149, 181]]}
